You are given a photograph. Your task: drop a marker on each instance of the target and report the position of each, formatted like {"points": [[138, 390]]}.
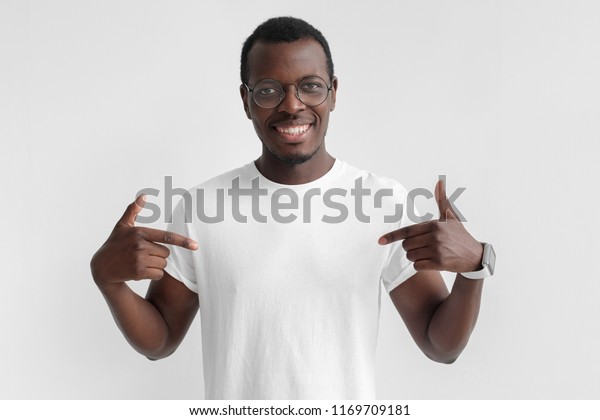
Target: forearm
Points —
{"points": [[454, 320], [139, 320]]}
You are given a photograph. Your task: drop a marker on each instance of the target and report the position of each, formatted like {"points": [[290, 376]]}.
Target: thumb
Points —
{"points": [[446, 211], [131, 212]]}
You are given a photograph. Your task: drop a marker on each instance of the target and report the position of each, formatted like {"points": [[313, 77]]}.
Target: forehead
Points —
{"points": [[287, 62]]}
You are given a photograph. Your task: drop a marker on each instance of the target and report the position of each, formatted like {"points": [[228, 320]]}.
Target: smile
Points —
{"points": [[293, 130]]}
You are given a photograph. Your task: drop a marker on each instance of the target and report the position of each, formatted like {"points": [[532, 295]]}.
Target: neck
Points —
{"points": [[278, 171]]}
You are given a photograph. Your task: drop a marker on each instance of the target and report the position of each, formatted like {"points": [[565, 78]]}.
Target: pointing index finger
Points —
{"points": [[405, 232], [166, 237]]}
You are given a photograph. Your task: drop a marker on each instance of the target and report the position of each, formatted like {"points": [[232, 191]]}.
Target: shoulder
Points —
{"points": [[225, 179], [207, 192]]}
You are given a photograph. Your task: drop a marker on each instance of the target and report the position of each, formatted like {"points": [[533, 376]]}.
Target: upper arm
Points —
{"points": [[178, 306], [416, 300]]}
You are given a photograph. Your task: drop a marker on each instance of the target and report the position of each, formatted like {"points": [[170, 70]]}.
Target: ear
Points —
{"points": [[334, 86], [245, 96]]}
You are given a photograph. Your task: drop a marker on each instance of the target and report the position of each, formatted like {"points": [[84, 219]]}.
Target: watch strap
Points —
{"points": [[488, 262]]}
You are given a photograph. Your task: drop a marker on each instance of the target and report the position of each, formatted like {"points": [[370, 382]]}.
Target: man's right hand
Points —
{"points": [[135, 253]]}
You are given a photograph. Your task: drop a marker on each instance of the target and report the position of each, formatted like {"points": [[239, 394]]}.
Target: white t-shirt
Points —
{"points": [[290, 298]]}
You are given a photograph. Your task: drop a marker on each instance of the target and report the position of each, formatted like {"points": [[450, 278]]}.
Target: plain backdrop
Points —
{"points": [[99, 99]]}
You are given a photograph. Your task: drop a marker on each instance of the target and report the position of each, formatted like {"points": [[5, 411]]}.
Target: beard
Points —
{"points": [[295, 158]]}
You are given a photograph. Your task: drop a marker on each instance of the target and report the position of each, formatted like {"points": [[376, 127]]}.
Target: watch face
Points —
{"points": [[490, 258]]}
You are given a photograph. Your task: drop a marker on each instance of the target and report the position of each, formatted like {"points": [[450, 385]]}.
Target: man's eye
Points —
{"points": [[268, 91], [311, 86]]}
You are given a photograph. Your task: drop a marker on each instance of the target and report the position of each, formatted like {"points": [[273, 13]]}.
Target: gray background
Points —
{"points": [[101, 99]]}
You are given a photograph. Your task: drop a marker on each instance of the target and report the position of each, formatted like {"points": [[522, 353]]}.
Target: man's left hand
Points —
{"points": [[442, 244]]}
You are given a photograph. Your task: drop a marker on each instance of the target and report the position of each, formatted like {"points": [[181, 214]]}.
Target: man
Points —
{"points": [[289, 300]]}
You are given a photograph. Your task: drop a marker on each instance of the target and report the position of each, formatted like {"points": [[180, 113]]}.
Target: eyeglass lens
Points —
{"points": [[312, 91]]}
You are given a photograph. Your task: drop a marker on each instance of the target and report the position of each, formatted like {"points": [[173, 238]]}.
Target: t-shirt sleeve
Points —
{"points": [[180, 263], [398, 268]]}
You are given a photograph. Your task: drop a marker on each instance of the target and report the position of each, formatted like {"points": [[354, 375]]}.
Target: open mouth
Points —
{"points": [[293, 133], [295, 130]]}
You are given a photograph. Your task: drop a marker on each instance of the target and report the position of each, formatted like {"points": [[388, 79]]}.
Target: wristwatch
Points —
{"points": [[488, 262]]}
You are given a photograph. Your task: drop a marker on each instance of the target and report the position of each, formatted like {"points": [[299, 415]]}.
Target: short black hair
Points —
{"points": [[283, 29]]}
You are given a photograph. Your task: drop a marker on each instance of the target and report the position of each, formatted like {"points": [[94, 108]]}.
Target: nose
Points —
{"points": [[290, 103]]}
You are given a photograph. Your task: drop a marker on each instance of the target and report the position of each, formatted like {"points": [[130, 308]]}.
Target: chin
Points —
{"points": [[296, 158]]}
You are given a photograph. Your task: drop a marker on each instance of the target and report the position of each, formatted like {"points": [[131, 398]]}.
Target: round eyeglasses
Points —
{"points": [[268, 93]]}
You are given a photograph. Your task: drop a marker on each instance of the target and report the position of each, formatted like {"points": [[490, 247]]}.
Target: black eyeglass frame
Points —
{"points": [[283, 93]]}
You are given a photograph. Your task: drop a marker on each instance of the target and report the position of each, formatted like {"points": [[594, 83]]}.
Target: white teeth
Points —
{"points": [[294, 131]]}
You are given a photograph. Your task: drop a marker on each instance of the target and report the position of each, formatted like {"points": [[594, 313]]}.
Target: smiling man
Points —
{"points": [[292, 131], [290, 302]]}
